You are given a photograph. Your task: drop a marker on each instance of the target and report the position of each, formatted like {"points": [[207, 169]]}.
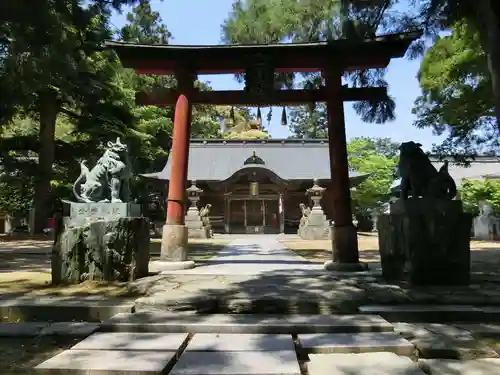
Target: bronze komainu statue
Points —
{"points": [[108, 180], [420, 177]]}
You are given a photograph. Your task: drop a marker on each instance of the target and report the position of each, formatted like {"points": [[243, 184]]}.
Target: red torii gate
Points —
{"points": [[259, 63]]}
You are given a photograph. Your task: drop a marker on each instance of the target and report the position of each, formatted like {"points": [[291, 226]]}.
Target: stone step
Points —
{"points": [[33, 329], [119, 353], [433, 313], [62, 309], [237, 363], [107, 362], [484, 366], [356, 343], [239, 342], [243, 323], [362, 364]]}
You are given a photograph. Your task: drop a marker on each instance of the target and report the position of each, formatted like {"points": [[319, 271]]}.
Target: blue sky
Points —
{"points": [[199, 22]]}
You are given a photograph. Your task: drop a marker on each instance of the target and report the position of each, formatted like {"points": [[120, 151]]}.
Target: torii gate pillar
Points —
{"points": [[174, 243], [344, 234]]}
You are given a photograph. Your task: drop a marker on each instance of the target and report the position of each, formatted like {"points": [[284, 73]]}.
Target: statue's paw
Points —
{"points": [[104, 201], [116, 200]]}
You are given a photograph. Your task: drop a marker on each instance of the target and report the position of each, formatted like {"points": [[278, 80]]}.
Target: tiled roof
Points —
{"points": [[218, 160]]}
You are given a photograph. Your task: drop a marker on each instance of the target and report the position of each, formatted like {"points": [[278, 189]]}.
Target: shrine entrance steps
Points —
{"points": [[192, 344]]}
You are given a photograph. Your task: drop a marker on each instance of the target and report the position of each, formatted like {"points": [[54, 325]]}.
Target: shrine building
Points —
{"points": [[260, 64], [256, 186]]}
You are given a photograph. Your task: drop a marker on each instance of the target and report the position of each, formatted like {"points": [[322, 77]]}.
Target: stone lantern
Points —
{"points": [[315, 226], [194, 193], [193, 219], [316, 193]]}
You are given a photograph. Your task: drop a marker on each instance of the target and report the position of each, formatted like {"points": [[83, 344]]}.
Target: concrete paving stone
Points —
{"points": [[70, 329], [362, 364], [29, 329], [132, 341], [425, 313], [230, 342], [107, 362], [356, 343], [374, 309], [485, 366], [154, 321], [482, 329], [237, 363], [419, 330], [460, 347]]}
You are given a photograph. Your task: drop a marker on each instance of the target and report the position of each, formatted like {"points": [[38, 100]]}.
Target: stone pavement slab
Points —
{"points": [[237, 363], [425, 313], [107, 362], [132, 341], [252, 255], [362, 364], [486, 366], [434, 340], [356, 343], [412, 331], [29, 329], [482, 329], [244, 323], [70, 329], [207, 342], [461, 347]]}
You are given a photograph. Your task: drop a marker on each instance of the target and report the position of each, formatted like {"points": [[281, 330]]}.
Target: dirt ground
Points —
{"points": [[25, 269], [22, 354], [483, 253]]}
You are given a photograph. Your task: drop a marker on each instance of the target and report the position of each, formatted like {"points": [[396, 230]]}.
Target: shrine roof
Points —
{"points": [[290, 159], [212, 59]]}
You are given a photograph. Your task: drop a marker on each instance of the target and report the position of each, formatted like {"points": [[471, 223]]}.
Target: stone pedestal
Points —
{"points": [[426, 242], [77, 214], [316, 226], [174, 248], [194, 224], [109, 250]]}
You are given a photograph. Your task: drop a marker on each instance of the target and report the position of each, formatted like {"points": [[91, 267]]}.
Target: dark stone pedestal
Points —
{"points": [[108, 250], [425, 242]]}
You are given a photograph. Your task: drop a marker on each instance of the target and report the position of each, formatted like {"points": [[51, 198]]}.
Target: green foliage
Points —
{"points": [[272, 21], [473, 191], [457, 94], [378, 158]]}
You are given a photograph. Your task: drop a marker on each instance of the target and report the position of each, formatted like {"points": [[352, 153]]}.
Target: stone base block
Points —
{"points": [[345, 267], [197, 233], [105, 250], [174, 243], [427, 249], [422, 206], [162, 266], [314, 232]]}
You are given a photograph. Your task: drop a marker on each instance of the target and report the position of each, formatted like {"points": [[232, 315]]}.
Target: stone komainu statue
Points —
{"points": [[306, 211], [109, 180], [420, 177], [205, 220], [204, 215]]}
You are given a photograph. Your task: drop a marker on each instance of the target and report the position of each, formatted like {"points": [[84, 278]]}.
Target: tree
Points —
{"points": [[272, 21], [473, 191], [457, 94], [376, 156], [53, 67], [481, 15]]}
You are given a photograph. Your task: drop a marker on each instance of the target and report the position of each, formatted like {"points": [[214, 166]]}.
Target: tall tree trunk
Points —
{"points": [[488, 21], [49, 108]]}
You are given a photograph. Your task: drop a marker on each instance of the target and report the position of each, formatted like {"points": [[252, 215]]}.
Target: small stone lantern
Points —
{"points": [[194, 193], [316, 193]]}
